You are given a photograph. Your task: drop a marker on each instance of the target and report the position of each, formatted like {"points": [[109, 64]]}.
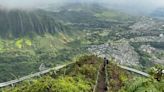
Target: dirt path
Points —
{"points": [[101, 86]]}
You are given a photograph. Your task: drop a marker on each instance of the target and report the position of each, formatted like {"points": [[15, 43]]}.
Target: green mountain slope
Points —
{"points": [[19, 23], [77, 77], [81, 76], [30, 38]]}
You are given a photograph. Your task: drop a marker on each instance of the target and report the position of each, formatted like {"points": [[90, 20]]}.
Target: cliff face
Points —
{"points": [[16, 23]]}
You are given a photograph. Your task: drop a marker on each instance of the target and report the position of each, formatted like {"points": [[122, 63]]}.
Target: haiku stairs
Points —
{"points": [[101, 82]]}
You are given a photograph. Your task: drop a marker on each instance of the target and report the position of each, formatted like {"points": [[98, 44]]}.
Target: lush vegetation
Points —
{"points": [[20, 23], [117, 77], [31, 38], [124, 81], [16, 56], [143, 85], [79, 77]]}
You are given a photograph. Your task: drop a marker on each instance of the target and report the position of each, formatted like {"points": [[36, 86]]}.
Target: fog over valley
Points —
{"points": [[131, 6], [81, 45]]}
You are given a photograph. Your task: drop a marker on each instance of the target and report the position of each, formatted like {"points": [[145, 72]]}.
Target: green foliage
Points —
{"points": [[23, 56], [19, 43], [68, 84], [79, 77], [87, 67], [1, 45], [52, 37], [113, 15], [23, 42], [57, 37], [88, 70], [143, 85], [49, 84], [18, 23], [117, 77], [28, 42]]}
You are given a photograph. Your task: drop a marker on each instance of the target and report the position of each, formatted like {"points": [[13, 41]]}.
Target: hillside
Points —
{"points": [[31, 38], [88, 74], [20, 23], [80, 76], [35, 40]]}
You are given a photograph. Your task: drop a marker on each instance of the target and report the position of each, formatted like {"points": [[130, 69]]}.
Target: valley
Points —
{"points": [[36, 40]]}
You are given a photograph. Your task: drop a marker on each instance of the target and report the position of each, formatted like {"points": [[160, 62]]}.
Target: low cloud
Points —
{"points": [[136, 4], [27, 4]]}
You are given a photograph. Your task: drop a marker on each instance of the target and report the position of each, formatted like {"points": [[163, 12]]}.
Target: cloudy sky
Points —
{"points": [[145, 4]]}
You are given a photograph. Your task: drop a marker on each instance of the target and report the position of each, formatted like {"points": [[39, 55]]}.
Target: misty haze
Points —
{"points": [[81, 46]]}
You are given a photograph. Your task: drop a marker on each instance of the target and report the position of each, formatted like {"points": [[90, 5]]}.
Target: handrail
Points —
{"points": [[106, 78], [134, 70], [4, 84], [97, 78]]}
